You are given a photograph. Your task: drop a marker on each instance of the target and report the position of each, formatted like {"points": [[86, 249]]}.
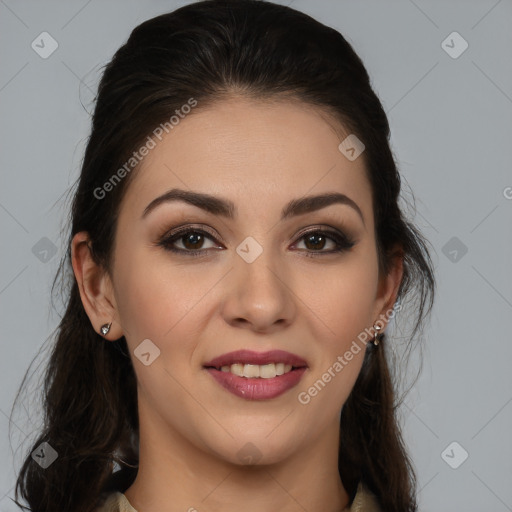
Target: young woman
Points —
{"points": [[236, 254]]}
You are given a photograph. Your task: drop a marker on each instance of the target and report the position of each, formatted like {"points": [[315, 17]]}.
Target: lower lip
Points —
{"points": [[255, 388]]}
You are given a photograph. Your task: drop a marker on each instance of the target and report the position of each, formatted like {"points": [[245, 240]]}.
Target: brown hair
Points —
{"points": [[207, 50]]}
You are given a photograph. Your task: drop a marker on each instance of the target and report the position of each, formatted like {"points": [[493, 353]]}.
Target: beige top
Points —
{"points": [[364, 501]]}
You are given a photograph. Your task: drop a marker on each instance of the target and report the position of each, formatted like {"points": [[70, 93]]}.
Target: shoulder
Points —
{"points": [[364, 501], [115, 502]]}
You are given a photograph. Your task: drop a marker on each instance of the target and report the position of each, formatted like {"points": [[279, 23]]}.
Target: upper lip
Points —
{"points": [[256, 358]]}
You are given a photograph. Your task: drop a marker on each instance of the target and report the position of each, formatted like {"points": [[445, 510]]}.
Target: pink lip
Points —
{"points": [[257, 389], [259, 358]]}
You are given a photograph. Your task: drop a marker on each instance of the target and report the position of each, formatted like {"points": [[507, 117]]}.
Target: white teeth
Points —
{"points": [[237, 369], [266, 371], [251, 370]]}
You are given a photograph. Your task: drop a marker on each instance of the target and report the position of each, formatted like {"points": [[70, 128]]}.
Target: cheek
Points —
{"points": [[342, 301], [342, 297], [155, 297], [161, 302]]}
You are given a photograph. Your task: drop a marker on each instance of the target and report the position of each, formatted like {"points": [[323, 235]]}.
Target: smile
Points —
{"points": [[257, 376]]}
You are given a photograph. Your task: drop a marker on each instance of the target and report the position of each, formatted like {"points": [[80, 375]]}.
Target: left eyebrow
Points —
{"points": [[226, 208]]}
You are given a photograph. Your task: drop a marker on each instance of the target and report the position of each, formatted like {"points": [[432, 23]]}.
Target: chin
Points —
{"points": [[257, 449]]}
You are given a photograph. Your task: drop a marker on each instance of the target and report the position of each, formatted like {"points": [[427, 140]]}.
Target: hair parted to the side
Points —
{"points": [[209, 50]]}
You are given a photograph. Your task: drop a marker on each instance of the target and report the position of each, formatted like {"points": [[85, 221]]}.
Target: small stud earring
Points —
{"points": [[376, 339], [105, 328]]}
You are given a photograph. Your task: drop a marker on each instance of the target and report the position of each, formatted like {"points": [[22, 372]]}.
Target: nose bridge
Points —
{"points": [[259, 293], [258, 265]]}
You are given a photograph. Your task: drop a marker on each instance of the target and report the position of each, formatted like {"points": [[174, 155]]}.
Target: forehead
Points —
{"points": [[258, 153]]}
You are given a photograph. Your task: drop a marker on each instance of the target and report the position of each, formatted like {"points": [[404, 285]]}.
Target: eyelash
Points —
{"points": [[343, 242]]}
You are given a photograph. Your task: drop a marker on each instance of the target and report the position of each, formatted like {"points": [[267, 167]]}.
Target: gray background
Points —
{"points": [[451, 132]]}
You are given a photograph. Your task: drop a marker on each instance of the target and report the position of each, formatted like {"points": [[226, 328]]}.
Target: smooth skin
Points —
{"points": [[259, 155]]}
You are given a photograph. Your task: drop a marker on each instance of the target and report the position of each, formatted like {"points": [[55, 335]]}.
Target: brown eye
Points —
{"points": [[315, 242], [192, 241]]}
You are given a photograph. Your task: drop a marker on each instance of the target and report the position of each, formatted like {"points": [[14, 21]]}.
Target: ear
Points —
{"points": [[388, 288], [96, 290]]}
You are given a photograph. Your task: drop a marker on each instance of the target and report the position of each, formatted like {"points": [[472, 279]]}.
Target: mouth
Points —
{"points": [[257, 375]]}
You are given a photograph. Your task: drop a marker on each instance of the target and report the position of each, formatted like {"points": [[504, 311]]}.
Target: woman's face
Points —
{"points": [[252, 280]]}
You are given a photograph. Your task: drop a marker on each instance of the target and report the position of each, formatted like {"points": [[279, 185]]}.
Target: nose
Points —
{"points": [[260, 295]]}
